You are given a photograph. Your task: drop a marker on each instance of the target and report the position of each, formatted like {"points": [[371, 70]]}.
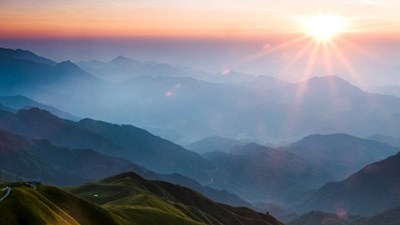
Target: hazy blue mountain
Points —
{"points": [[150, 151], [386, 139], [63, 85], [271, 109], [128, 142], [372, 190], [187, 109], [24, 159], [122, 68], [390, 217], [215, 144], [5, 108], [321, 218], [25, 55], [32, 159], [258, 173], [340, 154], [18, 102]]}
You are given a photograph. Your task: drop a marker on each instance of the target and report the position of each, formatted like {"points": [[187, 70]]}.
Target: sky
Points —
{"points": [[207, 18], [252, 36]]}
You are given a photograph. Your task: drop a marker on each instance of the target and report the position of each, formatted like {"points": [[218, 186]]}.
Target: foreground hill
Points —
{"points": [[372, 190], [155, 202], [340, 154], [119, 200]]}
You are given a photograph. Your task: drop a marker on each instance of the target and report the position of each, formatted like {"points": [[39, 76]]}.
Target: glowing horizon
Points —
{"points": [[221, 18]]}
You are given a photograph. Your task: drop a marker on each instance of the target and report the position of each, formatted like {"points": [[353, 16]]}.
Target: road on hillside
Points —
{"points": [[8, 189]]}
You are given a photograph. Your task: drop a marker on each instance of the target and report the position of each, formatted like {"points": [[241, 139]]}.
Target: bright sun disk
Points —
{"points": [[324, 27]]}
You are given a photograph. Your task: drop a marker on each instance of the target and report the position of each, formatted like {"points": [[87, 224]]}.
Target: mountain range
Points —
{"points": [[340, 154], [127, 141], [185, 109], [122, 199], [372, 190]]}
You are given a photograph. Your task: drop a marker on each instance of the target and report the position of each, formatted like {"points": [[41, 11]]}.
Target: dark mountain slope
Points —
{"points": [[259, 173], [215, 144], [386, 139], [340, 154], [372, 190], [28, 159], [320, 218], [25, 55], [38, 159], [127, 142], [152, 152], [124, 189], [18, 102]]}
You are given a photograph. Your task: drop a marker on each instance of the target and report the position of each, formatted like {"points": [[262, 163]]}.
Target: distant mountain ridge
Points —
{"points": [[25, 55], [129, 142], [372, 190], [341, 154], [215, 144], [24, 159], [18, 102], [270, 110], [260, 173], [122, 68]]}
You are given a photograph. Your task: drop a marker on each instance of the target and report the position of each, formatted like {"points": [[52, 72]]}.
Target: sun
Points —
{"points": [[324, 27]]}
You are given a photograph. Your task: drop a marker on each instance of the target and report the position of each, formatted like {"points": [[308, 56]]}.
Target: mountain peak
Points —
{"points": [[20, 54], [121, 59]]}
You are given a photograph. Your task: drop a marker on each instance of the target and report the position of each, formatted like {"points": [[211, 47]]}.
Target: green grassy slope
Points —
{"points": [[50, 205], [132, 197], [123, 199]]}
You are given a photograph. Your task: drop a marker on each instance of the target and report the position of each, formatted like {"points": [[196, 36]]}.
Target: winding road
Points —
{"points": [[8, 189]]}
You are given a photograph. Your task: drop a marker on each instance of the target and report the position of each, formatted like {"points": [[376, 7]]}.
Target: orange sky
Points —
{"points": [[207, 18]]}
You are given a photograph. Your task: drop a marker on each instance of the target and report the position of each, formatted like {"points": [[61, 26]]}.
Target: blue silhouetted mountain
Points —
{"points": [[122, 68], [260, 173], [24, 55], [128, 142], [372, 190], [25, 159], [389, 217], [30, 159], [150, 151], [257, 110], [386, 139], [215, 144], [340, 154], [18, 102], [319, 218], [5, 108]]}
